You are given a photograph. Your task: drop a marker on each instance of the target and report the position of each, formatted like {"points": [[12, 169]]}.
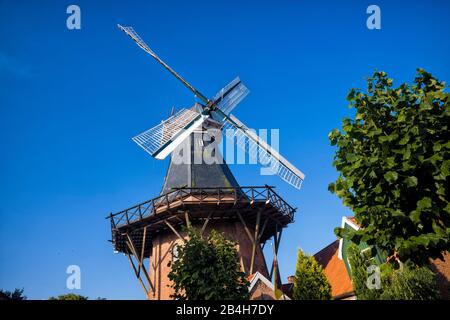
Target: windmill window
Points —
{"points": [[175, 253]]}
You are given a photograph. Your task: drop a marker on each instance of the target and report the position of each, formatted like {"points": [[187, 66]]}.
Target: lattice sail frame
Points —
{"points": [[162, 139], [235, 91], [268, 157], [133, 35], [160, 145]]}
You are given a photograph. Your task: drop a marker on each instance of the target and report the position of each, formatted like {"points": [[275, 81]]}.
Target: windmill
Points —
{"points": [[203, 195], [162, 139]]}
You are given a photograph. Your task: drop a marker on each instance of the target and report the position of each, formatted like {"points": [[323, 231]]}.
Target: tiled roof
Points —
{"points": [[334, 269], [288, 289]]}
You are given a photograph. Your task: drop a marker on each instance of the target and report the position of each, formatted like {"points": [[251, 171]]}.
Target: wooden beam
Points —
{"points": [[141, 266], [278, 247], [242, 263], [174, 230], [148, 278], [132, 249], [156, 254], [263, 228], [164, 255], [186, 216], [144, 238], [245, 227], [205, 223], [277, 239], [255, 241], [137, 276]]}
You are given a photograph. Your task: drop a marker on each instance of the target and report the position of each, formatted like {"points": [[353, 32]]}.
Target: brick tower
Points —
{"points": [[207, 196]]}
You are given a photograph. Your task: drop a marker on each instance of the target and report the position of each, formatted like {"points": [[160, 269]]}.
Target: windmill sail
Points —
{"points": [[162, 139], [230, 95], [254, 145], [141, 43]]}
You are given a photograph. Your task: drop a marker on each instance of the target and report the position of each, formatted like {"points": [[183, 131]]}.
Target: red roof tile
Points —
{"points": [[334, 269]]}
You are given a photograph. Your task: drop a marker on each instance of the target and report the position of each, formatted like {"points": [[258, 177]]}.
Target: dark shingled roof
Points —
{"points": [[197, 175]]}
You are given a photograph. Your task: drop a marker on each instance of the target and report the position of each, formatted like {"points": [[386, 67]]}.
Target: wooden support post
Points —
{"points": [[278, 246], [255, 241], [148, 277], [277, 239], [245, 227], [136, 273], [205, 223], [141, 265], [262, 229], [144, 238], [132, 249], [186, 216], [174, 230], [113, 224]]}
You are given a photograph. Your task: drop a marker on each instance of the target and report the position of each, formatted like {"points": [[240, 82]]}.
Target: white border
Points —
{"points": [[258, 276], [346, 220]]}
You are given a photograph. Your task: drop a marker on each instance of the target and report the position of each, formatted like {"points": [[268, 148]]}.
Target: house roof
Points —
{"points": [[334, 269], [258, 277], [288, 289]]}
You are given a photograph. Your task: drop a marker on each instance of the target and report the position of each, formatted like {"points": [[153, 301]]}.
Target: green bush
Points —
{"points": [[410, 283], [310, 281], [398, 282], [208, 269]]}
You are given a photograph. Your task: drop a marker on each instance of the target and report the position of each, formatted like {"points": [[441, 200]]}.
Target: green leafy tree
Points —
{"points": [[69, 296], [17, 294], [208, 269], [393, 160], [310, 281]]}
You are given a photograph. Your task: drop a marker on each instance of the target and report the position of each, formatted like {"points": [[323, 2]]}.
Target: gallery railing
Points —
{"points": [[199, 195]]}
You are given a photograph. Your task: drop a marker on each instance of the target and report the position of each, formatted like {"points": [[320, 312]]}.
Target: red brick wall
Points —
{"points": [[162, 255], [442, 269], [261, 292]]}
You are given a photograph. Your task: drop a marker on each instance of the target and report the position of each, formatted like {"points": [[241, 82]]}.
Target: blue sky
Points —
{"points": [[70, 100]]}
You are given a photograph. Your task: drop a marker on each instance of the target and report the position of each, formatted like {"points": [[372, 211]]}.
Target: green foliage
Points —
{"points": [[69, 296], [17, 294], [359, 264], [394, 165], [310, 281], [208, 269], [408, 282]]}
